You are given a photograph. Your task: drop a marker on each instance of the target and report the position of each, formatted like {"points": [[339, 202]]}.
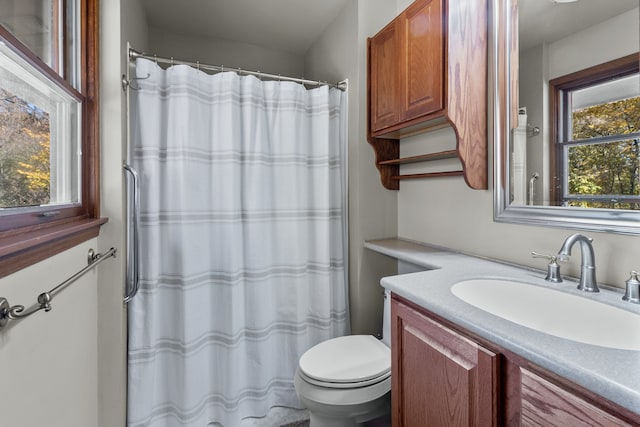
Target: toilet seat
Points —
{"points": [[358, 384], [351, 361]]}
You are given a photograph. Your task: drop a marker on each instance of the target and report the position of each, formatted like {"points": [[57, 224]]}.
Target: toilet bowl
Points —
{"points": [[346, 381]]}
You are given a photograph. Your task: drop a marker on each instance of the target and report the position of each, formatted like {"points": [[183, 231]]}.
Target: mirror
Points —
{"points": [[567, 113]]}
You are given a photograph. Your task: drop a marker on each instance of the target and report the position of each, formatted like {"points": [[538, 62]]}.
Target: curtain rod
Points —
{"points": [[134, 54]]}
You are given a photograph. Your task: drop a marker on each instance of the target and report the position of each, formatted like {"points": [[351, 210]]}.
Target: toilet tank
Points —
{"points": [[403, 268], [386, 319]]}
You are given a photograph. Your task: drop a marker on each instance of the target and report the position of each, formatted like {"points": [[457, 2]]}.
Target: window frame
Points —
{"points": [[27, 237], [559, 110]]}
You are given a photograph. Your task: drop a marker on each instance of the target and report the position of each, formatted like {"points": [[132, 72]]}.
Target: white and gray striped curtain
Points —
{"points": [[243, 237]]}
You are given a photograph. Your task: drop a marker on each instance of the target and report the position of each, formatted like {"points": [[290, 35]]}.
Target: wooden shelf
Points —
{"points": [[450, 154], [428, 175]]}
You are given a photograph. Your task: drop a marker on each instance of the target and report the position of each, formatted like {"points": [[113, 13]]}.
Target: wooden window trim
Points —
{"points": [[557, 87], [30, 237]]}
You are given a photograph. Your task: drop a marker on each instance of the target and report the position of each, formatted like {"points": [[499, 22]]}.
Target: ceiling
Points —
{"points": [[546, 20], [286, 25], [293, 25]]}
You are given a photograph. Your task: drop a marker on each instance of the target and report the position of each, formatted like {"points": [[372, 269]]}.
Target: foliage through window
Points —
{"points": [[25, 164], [598, 138]]}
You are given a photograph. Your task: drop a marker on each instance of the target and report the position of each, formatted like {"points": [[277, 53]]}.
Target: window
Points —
{"points": [[48, 128], [596, 117]]}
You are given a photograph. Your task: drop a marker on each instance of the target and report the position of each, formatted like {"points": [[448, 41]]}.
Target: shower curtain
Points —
{"points": [[243, 242]]}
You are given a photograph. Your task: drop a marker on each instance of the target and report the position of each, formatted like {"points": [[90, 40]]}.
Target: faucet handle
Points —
{"points": [[551, 258], [553, 268], [632, 292]]}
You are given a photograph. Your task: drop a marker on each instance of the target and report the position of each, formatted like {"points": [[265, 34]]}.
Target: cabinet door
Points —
{"points": [[384, 102], [439, 377], [546, 404], [422, 53]]}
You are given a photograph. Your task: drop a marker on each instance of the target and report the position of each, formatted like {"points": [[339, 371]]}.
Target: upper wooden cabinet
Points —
{"points": [[428, 69], [400, 55], [384, 101], [422, 48]]}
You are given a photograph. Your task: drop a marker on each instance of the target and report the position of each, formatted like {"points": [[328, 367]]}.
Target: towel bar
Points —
{"points": [[17, 312]]}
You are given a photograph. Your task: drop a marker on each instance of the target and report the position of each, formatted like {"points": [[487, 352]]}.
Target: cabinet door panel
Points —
{"points": [[546, 404], [437, 396], [422, 59], [439, 377], [384, 77]]}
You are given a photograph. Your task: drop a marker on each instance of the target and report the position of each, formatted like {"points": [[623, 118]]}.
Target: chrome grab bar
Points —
{"points": [[17, 312], [133, 238]]}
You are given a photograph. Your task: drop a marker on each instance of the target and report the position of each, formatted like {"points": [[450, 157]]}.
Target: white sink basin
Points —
{"points": [[553, 312]]}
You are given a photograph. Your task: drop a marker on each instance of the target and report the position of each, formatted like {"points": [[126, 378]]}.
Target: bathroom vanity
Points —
{"points": [[456, 364]]}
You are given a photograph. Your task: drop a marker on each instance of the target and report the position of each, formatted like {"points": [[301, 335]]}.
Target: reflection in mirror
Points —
{"points": [[568, 127], [594, 145]]}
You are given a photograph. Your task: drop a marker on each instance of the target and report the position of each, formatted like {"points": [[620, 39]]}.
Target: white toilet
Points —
{"points": [[346, 381]]}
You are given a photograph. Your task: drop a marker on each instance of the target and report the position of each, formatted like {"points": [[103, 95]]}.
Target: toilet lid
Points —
{"points": [[348, 359]]}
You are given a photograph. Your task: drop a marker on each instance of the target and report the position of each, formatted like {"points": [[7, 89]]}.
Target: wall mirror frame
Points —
{"points": [[503, 15]]}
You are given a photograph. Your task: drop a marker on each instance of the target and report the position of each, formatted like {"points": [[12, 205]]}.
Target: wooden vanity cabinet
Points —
{"points": [[427, 69], [441, 376]]}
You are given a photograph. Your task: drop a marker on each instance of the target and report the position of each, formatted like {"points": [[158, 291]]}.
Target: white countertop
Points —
{"points": [[611, 373]]}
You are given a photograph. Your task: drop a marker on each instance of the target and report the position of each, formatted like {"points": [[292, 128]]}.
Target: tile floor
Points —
{"points": [[279, 417], [287, 417]]}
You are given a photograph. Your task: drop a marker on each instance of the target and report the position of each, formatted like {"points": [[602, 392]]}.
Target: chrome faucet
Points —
{"points": [[588, 266]]}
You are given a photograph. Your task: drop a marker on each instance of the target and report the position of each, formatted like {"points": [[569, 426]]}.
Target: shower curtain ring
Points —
{"points": [[198, 65], [155, 58], [172, 61]]}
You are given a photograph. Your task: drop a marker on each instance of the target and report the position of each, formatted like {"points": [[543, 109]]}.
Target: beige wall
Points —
{"points": [[341, 52], [50, 360], [224, 52], [67, 367], [611, 39], [120, 22], [445, 212]]}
